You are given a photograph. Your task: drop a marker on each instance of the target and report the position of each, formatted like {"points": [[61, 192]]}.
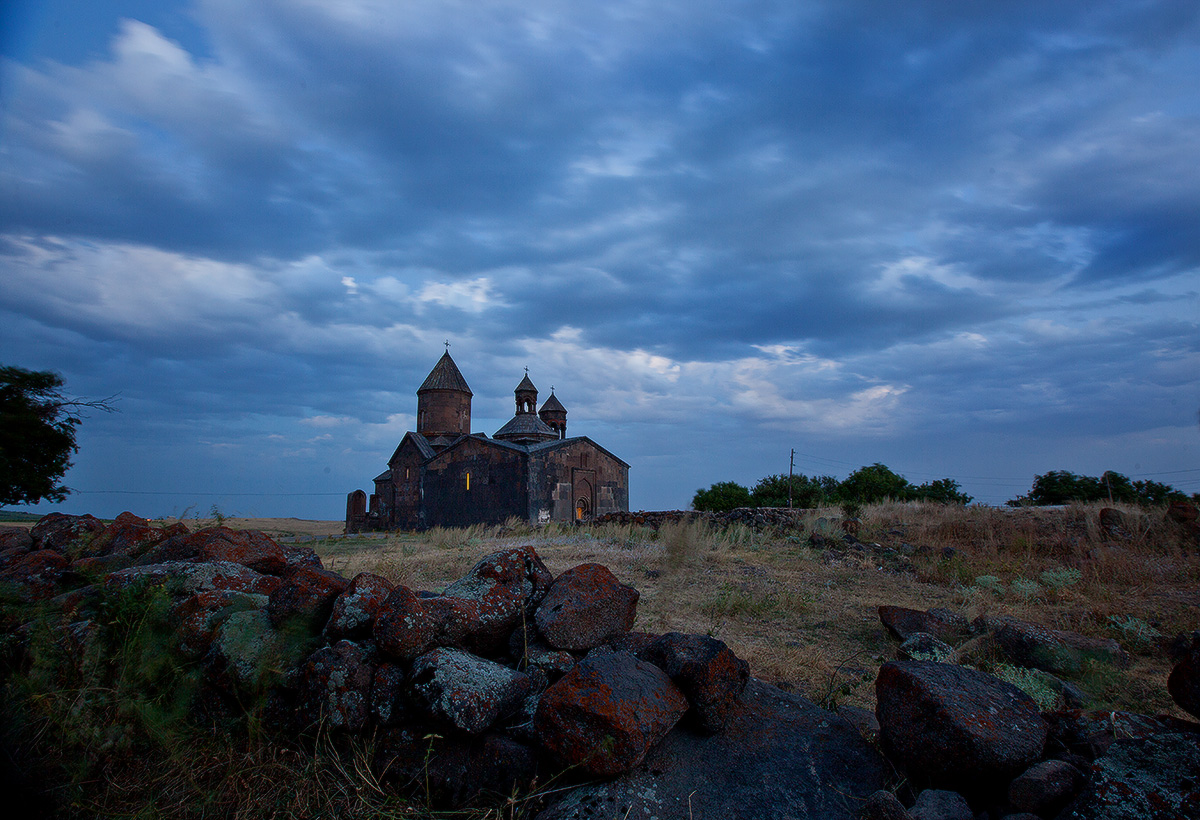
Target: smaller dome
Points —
{"points": [[525, 428], [552, 404]]}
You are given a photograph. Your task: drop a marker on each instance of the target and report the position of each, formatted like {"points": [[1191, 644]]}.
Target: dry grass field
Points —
{"points": [[804, 616]]}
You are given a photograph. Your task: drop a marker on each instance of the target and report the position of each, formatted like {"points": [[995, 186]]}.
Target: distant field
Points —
{"points": [[275, 527]]}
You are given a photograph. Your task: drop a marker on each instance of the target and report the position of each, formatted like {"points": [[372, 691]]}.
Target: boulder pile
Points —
{"points": [[511, 677], [508, 675]]}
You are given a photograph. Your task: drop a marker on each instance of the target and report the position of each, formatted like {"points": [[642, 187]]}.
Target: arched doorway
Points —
{"points": [[581, 509]]}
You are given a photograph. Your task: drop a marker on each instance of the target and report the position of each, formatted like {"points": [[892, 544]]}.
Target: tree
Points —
{"points": [[722, 496], [807, 492], [868, 485], [944, 491], [1064, 487], [37, 434]]}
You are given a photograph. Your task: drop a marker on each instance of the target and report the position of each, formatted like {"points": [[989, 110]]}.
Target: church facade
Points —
{"points": [[444, 475]]}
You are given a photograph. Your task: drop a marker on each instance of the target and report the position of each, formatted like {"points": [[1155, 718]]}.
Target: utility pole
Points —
{"points": [[791, 467]]}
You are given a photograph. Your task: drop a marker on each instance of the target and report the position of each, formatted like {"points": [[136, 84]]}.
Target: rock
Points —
{"points": [[1053, 650], [197, 617], [186, 578], [467, 691], [389, 702], [986, 729], [298, 556], [606, 713], [57, 531], [863, 720], [248, 655], [306, 597], [1151, 778], [635, 642], [1183, 512], [710, 676], [354, 610], [250, 548], [402, 629], [942, 624], [935, 804], [506, 588], [128, 535], [15, 538], [1184, 681], [1045, 788], [883, 805], [1090, 733], [921, 646], [35, 575], [454, 771], [530, 652], [780, 757], [453, 621], [586, 606], [1116, 524], [335, 687]]}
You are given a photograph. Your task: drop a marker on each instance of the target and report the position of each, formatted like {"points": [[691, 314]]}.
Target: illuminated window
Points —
{"points": [[468, 481]]}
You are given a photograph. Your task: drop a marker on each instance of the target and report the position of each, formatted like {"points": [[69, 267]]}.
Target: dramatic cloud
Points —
{"points": [[955, 238]]}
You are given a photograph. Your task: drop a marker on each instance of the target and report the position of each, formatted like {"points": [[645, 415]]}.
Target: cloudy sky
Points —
{"points": [[961, 239]]}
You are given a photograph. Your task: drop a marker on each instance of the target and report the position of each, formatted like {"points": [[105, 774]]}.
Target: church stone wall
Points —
{"points": [[498, 483], [579, 471]]}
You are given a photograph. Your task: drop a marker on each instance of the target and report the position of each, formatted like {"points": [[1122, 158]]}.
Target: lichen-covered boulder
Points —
{"points": [[585, 607], [35, 575], [17, 538], [250, 548], [1089, 733], [248, 654], [606, 713], [197, 617], [128, 535], [306, 597], [187, 578], [986, 729], [939, 804], [1053, 650], [942, 624], [402, 628], [710, 676], [505, 588], [354, 610], [389, 697], [335, 687], [465, 690], [57, 531], [1150, 778]]}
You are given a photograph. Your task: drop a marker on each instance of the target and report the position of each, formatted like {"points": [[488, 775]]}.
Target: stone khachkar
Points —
{"points": [[512, 676]]}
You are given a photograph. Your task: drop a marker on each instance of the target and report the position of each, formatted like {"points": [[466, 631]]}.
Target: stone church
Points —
{"points": [[445, 475]]}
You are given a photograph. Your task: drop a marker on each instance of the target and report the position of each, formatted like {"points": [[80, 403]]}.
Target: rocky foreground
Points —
{"points": [[511, 679]]}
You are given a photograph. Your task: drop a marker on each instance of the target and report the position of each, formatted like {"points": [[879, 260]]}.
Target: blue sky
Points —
{"points": [[960, 239]]}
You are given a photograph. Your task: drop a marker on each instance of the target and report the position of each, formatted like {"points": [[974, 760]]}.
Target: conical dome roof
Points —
{"points": [[552, 404], [526, 384], [445, 376]]}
